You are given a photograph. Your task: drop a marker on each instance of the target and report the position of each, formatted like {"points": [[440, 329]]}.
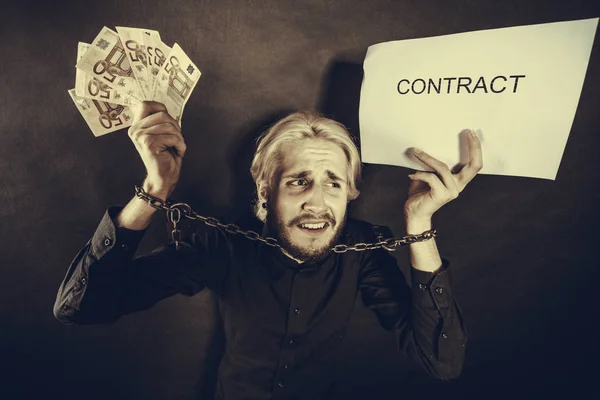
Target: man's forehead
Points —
{"points": [[309, 155]]}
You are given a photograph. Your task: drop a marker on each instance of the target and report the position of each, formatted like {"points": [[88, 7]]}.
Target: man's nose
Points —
{"points": [[316, 201]]}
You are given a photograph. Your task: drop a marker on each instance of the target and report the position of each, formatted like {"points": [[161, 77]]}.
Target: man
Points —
{"points": [[284, 309]]}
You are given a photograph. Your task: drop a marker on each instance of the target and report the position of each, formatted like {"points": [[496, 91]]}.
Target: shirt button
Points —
{"points": [[291, 341], [285, 366], [296, 311], [439, 290], [107, 242], [280, 384], [422, 286], [444, 335], [125, 247]]}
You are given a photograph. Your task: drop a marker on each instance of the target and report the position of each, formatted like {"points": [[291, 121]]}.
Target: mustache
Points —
{"points": [[324, 217]]}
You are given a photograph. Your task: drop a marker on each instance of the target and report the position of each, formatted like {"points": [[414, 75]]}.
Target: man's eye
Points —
{"points": [[335, 185], [298, 182]]}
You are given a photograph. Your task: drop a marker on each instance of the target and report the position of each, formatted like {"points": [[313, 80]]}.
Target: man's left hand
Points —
{"points": [[429, 191]]}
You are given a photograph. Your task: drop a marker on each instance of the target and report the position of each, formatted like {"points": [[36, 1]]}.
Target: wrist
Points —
{"points": [[155, 190], [415, 226]]}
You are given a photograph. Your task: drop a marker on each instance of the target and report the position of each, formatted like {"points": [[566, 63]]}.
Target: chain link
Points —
{"points": [[175, 210]]}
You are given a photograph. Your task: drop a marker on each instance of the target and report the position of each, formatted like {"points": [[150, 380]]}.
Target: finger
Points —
{"points": [[158, 118], [136, 132], [475, 161], [159, 143], [146, 108], [417, 187], [439, 192], [440, 168], [159, 129]]}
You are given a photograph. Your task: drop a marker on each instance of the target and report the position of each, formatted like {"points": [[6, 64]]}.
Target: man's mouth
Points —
{"points": [[313, 228]]}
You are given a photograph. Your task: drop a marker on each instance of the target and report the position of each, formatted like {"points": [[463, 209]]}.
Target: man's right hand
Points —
{"points": [[157, 137]]}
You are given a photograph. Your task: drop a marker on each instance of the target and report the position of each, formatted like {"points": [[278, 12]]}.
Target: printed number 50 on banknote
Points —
{"points": [[175, 82]]}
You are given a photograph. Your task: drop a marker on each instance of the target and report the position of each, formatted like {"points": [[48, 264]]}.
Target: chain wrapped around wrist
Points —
{"points": [[175, 210]]}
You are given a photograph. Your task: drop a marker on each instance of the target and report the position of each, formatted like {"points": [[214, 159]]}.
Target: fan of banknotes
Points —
{"points": [[119, 70]]}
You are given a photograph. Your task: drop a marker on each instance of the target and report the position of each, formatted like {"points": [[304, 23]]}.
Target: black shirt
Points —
{"points": [[283, 321]]}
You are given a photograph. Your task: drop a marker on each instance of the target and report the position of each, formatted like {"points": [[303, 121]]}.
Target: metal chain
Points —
{"points": [[175, 210]]}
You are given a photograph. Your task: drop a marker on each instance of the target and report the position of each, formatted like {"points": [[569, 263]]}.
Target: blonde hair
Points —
{"points": [[301, 125]]}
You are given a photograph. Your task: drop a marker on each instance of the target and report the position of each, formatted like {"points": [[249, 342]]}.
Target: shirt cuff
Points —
{"points": [[109, 235], [432, 290]]}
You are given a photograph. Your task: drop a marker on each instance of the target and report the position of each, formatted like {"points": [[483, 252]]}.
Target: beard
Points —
{"points": [[280, 231]]}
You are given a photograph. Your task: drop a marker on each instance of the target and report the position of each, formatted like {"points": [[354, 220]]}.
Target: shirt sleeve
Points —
{"points": [[104, 281], [425, 318]]}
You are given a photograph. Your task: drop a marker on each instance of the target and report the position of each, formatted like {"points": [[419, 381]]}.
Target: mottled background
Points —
{"points": [[523, 250]]}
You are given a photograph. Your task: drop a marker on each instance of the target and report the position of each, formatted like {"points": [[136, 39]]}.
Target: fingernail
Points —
{"points": [[472, 133], [417, 150]]}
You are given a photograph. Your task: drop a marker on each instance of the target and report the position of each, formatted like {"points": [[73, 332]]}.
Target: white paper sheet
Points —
{"points": [[521, 101]]}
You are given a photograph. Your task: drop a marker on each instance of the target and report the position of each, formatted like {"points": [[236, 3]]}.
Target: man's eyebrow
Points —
{"points": [[297, 175], [334, 177], [303, 174]]}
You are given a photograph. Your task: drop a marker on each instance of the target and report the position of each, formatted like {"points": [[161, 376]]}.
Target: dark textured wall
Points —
{"points": [[523, 250]]}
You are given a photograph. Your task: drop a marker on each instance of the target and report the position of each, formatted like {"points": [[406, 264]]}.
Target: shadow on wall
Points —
{"points": [[340, 96]]}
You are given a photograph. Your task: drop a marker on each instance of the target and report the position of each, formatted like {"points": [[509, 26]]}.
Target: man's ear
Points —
{"points": [[262, 189]]}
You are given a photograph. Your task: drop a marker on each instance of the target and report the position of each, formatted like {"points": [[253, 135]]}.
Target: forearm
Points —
{"points": [[425, 316], [92, 288], [438, 328], [424, 256]]}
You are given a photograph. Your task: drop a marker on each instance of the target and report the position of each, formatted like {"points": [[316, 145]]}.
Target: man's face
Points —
{"points": [[307, 204]]}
